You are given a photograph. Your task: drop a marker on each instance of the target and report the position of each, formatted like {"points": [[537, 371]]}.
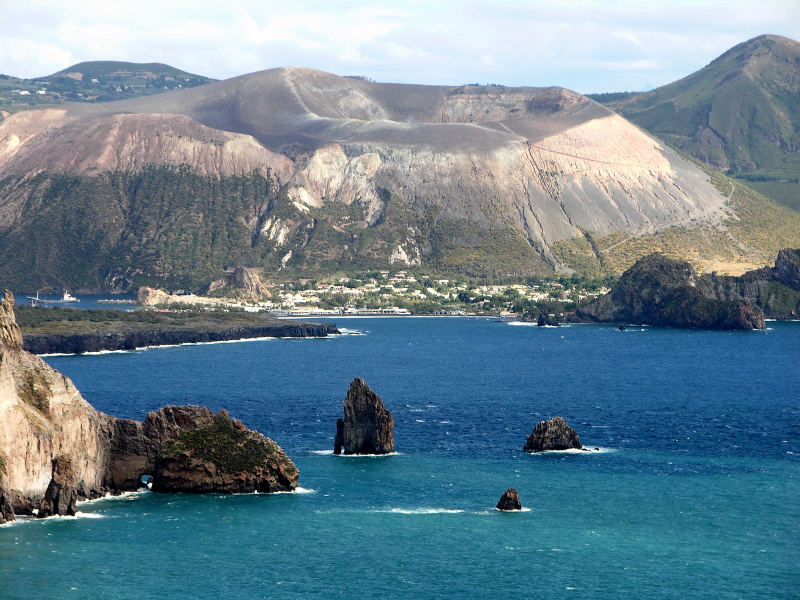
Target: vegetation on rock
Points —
{"points": [[232, 449]]}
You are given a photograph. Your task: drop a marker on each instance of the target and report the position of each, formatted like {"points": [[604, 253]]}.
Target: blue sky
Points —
{"points": [[585, 45]]}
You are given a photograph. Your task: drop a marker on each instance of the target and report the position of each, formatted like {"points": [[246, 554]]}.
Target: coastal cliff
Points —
{"points": [[72, 331], [657, 290], [76, 343], [55, 448]]}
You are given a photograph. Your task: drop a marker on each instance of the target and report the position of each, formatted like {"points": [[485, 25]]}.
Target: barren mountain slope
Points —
{"points": [[372, 173]]}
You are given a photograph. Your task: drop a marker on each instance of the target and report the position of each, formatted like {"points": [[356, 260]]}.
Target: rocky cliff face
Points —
{"points": [[44, 417], [55, 448], [552, 434], [431, 172], [367, 427], [242, 283], [661, 291]]}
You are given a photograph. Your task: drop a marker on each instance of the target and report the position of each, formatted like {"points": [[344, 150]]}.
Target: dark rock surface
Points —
{"points": [[510, 500], [190, 449], [223, 457], [787, 268], [545, 320], [129, 340], [552, 434], [62, 492], [657, 290], [6, 506], [134, 446], [367, 427]]}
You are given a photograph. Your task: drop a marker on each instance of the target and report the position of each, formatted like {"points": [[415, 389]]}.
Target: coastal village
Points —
{"points": [[385, 293]]}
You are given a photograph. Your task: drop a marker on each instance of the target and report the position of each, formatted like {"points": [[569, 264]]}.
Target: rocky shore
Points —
{"points": [[94, 341], [55, 448], [661, 291]]}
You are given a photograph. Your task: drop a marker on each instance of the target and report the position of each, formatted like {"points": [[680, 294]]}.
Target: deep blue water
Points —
{"points": [[694, 494]]}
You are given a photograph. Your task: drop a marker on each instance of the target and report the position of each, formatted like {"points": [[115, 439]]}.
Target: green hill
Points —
{"points": [[94, 81], [740, 113]]}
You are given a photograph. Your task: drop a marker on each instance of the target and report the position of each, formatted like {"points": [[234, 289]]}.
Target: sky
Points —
{"points": [[584, 45]]}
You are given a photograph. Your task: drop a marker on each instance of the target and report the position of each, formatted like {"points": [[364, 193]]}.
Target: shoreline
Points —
{"points": [[160, 336]]}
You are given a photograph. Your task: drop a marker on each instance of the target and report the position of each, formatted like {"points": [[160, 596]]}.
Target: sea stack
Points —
{"points": [[62, 493], [367, 427], [509, 500], [552, 434]]}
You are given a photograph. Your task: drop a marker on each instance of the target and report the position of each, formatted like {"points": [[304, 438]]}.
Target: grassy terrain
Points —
{"points": [[98, 81], [739, 113], [161, 225], [751, 237]]}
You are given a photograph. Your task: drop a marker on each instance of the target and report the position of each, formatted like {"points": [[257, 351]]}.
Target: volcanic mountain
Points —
{"points": [[740, 113], [304, 171]]}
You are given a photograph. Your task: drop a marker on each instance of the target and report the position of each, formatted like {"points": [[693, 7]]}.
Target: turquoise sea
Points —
{"points": [[694, 493]]}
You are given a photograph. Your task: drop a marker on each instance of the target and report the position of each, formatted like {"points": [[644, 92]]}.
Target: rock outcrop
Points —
{"points": [[6, 506], [545, 320], [77, 343], [367, 427], [661, 291], [509, 500], [243, 282], [56, 449], [62, 491], [223, 457], [552, 434], [10, 335]]}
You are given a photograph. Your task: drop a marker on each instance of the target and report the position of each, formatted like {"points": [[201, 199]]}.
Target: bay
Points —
{"points": [[693, 492]]}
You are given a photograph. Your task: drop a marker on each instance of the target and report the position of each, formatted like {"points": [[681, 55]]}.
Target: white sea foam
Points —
{"points": [[330, 452], [160, 346], [20, 519], [298, 490], [586, 451], [348, 331], [523, 509], [368, 455], [422, 511], [122, 496], [97, 353]]}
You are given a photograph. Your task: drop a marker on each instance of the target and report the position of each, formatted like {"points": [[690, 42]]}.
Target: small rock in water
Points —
{"points": [[509, 500], [552, 434]]}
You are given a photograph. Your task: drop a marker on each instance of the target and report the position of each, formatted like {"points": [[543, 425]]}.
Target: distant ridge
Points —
{"points": [[740, 113], [302, 173], [94, 81]]}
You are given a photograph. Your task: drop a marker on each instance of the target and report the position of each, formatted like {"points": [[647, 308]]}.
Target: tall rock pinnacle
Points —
{"points": [[367, 427]]}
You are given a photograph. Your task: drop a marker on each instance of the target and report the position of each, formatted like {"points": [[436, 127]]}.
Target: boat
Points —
{"points": [[508, 316], [67, 297]]}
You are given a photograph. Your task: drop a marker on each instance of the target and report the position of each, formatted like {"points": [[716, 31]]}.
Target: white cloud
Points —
{"points": [[587, 45]]}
